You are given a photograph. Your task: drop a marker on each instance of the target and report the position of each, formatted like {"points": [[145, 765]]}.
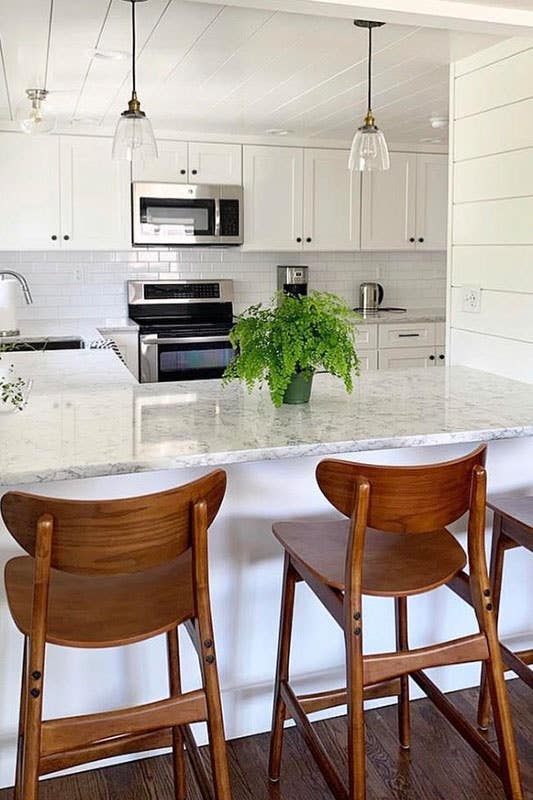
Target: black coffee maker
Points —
{"points": [[292, 280]]}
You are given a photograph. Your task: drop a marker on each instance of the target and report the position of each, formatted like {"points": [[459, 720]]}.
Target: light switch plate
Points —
{"points": [[472, 299]]}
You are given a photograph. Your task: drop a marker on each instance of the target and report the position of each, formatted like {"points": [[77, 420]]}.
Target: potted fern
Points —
{"points": [[284, 343]]}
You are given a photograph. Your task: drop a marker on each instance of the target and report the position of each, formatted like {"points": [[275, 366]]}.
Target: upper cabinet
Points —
{"points": [[62, 192], [95, 196], [299, 199], [273, 197], [29, 201], [193, 162], [405, 208], [331, 201]]}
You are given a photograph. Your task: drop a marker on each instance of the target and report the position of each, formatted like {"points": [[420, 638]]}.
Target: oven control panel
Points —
{"points": [[181, 291]]}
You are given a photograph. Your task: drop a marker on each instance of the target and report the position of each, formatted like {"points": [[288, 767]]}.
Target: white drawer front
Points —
{"points": [[405, 358], [440, 333], [366, 337], [405, 335], [368, 360]]}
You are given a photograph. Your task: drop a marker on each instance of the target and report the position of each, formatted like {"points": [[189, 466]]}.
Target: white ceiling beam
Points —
{"points": [[459, 16]]}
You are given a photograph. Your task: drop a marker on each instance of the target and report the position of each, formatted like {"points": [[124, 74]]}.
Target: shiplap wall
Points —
{"points": [[492, 209]]}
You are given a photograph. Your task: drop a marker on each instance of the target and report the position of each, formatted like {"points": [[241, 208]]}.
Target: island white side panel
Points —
{"points": [[246, 567]]}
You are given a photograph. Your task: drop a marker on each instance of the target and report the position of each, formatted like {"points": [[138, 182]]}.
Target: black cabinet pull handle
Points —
{"points": [[53, 237], [408, 335], [421, 239], [412, 239], [183, 171], [195, 172], [66, 237], [432, 358], [308, 239], [298, 239]]}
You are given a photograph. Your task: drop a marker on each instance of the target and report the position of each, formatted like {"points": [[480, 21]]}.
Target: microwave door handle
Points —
{"points": [[154, 340], [217, 216]]}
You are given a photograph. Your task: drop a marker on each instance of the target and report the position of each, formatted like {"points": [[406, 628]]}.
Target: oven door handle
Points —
{"points": [[155, 340]]}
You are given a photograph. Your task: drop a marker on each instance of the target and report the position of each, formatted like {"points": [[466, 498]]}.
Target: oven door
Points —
{"points": [[169, 213], [183, 358]]}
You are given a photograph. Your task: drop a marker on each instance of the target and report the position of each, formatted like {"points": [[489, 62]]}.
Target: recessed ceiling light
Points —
{"points": [[438, 122], [430, 140], [278, 132], [110, 55]]}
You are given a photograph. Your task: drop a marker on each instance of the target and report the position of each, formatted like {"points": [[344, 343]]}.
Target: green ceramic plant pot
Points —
{"points": [[299, 389]]}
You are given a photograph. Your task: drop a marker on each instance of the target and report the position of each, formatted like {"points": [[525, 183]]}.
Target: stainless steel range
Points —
{"points": [[183, 328]]}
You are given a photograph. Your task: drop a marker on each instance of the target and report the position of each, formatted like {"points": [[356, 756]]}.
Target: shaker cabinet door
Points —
{"points": [[95, 195], [273, 198], [389, 205], [170, 165], [210, 162], [431, 201], [332, 195], [29, 201]]}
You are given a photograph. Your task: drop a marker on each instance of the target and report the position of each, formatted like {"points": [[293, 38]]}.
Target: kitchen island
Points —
{"points": [[89, 430]]}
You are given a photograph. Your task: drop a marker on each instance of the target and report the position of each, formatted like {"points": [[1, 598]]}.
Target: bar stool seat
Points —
{"points": [[394, 565], [104, 610]]}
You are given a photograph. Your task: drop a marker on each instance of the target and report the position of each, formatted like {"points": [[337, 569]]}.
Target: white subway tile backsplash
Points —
{"points": [[69, 284]]}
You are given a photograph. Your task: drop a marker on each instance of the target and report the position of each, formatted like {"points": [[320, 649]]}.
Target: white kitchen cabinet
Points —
{"points": [[192, 162], [405, 207], [95, 195], [366, 337], [431, 201], [273, 197], [404, 334], [210, 162], [388, 214], [406, 357], [29, 200], [170, 165], [368, 360], [332, 201]]}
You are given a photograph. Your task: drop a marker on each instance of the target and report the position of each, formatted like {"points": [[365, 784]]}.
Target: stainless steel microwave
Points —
{"points": [[184, 213]]}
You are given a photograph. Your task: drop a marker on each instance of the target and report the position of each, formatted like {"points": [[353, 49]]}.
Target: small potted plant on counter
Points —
{"points": [[14, 390], [284, 343]]}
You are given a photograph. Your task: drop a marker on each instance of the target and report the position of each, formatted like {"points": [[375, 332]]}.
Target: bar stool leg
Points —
{"points": [[402, 643], [31, 745], [17, 793], [497, 553], [178, 753], [282, 670], [356, 721]]}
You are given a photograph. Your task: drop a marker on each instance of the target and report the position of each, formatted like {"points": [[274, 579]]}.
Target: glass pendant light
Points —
{"points": [[134, 134], [33, 119], [369, 149]]}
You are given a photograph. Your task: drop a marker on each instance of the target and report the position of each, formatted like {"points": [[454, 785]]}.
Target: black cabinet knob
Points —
{"points": [[298, 239], [308, 239], [183, 171], [432, 358], [195, 172], [66, 237], [421, 239], [442, 357], [54, 237], [412, 239]]}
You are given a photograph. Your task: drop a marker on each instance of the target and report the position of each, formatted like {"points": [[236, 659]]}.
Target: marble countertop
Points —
{"points": [[87, 416], [410, 316]]}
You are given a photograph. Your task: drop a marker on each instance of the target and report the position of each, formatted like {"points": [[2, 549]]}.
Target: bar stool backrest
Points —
{"points": [[410, 499], [127, 535]]}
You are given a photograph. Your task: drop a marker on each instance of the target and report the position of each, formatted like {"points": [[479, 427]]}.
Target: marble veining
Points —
{"points": [[87, 416], [410, 316]]}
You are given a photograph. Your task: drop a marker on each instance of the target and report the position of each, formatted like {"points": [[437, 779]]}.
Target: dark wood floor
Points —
{"points": [[439, 767]]}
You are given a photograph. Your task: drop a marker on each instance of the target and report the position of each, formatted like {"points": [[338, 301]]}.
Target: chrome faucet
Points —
{"points": [[22, 280]]}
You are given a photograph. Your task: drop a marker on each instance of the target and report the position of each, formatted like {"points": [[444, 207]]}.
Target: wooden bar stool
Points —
{"points": [[109, 573], [394, 544], [512, 527]]}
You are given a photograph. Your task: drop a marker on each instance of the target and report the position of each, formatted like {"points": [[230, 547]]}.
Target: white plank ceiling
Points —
{"points": [[226, 70]]}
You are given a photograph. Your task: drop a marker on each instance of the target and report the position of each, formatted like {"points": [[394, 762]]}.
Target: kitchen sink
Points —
{"points": [[40, 344]]}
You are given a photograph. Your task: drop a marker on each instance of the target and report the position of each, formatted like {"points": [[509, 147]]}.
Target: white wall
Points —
{"points": [[92, 284], [492, 209]]}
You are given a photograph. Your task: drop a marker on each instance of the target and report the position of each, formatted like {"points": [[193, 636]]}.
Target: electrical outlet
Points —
{"points": [[79, 274], [472, 299]]}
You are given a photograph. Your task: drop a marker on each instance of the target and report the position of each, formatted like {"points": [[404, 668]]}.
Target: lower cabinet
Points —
{"points": [[401, 345]]}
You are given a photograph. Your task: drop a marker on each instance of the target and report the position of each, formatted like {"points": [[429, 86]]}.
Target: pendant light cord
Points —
{"points": [[133, 47], [370, 68]]}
